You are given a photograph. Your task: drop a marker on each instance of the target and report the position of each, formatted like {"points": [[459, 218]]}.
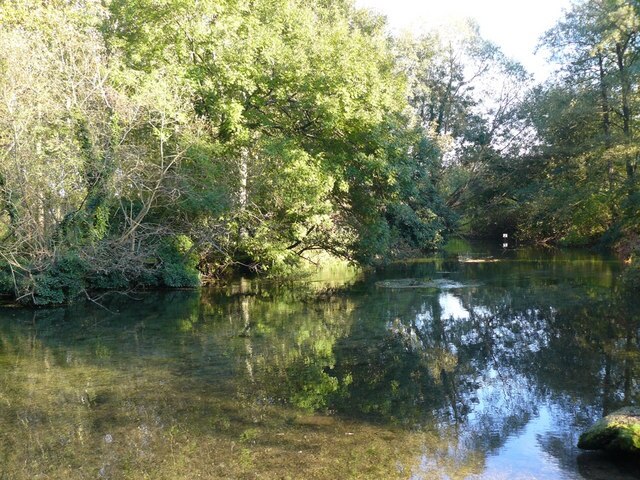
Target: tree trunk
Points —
{"points": [[606, 130], [243, 196], [625, 89]]}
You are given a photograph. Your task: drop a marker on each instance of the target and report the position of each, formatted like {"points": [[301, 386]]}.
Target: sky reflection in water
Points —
{"points": [[491, 373]]}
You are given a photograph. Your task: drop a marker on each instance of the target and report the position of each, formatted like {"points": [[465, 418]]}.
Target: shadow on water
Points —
{"points": [[486, 369]]}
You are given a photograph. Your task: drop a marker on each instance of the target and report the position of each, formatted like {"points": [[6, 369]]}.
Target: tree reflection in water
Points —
{"points": [[327, 379]]}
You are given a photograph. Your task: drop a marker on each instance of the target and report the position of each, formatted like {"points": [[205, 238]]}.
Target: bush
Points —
{"points": [[6, 280], [61, 283], [179, 263], [113, 280]]}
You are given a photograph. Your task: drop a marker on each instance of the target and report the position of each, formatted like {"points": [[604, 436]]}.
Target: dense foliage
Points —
{"points": [[150, 143], [574, 179], [159, 143]]}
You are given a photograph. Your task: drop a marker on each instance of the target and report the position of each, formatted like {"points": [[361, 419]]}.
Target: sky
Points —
{"points": [[514, 25]]}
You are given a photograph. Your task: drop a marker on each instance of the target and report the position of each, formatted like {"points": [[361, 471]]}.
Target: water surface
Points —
{"points": [[473, 364]]}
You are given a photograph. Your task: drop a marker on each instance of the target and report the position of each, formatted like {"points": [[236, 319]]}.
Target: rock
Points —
{"points": [[438, 283], [617, 432], [478, 260]]}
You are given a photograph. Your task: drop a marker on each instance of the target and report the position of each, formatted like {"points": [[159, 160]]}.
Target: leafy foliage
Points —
{"points": [[179, 263], [159, 141], [165, 143], [574, 179]]}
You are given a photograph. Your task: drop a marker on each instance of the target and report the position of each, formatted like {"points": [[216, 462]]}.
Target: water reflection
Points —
{"points": [[494, 377]]}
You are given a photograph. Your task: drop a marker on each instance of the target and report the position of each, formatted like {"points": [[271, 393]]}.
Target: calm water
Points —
{"points": [[475, 370]]}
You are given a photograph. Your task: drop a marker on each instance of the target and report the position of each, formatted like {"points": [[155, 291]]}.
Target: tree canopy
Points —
{"points": [[161, 143]]}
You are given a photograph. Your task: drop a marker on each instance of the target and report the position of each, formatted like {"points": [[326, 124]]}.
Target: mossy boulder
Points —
{"points": [[617, 432]]}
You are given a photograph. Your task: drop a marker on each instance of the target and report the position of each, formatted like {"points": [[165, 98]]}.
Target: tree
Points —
{"points": [[87, 153], [572, 178], [466, 94], [597, 41], [304, 109], [146, 143]]}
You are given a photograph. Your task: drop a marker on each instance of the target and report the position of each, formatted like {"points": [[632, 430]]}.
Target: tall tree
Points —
{"points": [[465, 92]]}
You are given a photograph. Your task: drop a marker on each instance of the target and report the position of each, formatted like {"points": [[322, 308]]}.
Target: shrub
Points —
{"points": [[60, 283], [179, 262]]}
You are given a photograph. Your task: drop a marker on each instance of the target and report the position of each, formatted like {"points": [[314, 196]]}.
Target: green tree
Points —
{"points": [[306, 112], [466, 94]]}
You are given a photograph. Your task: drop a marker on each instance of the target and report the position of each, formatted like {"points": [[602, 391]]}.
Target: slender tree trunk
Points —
{"points": [[606, 130], [625, 89], [244, 174], [604, 103], [243, 196]]}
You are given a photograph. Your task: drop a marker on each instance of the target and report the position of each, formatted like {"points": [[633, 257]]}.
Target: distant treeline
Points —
{"points": [[164, 142]]}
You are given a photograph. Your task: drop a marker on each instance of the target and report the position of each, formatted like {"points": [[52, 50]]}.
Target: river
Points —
{"points": [[476, 363]]}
